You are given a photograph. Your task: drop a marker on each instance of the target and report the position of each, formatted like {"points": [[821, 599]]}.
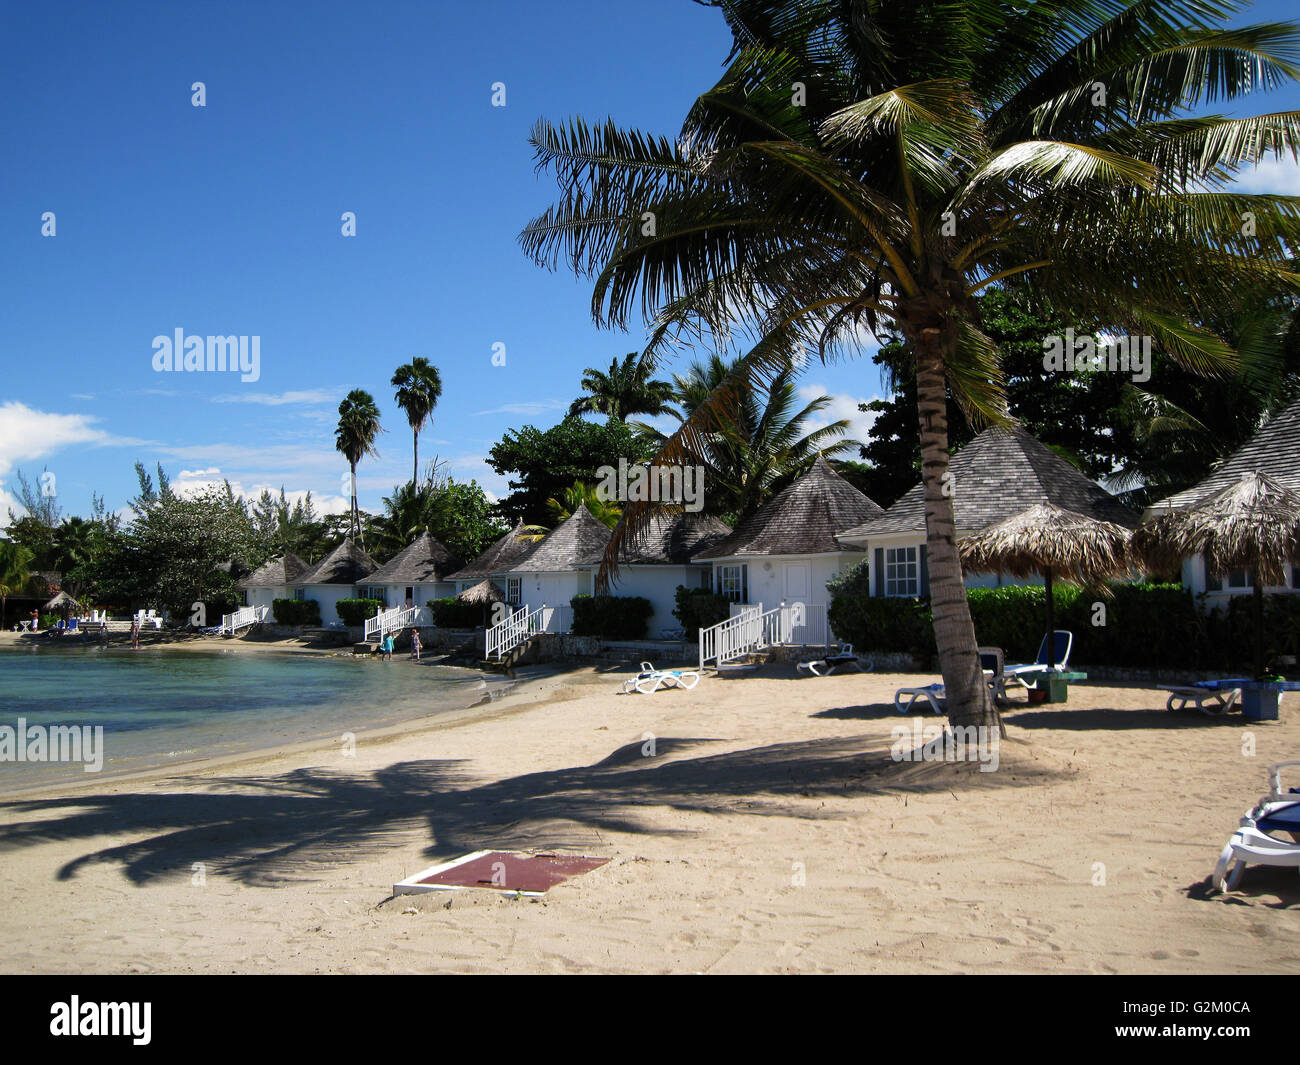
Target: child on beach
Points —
{"points": [[388, 647], [135, 633], [415, 644]]}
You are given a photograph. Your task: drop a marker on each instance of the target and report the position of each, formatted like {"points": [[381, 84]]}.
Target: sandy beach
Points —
{"points": [[751, 825]]}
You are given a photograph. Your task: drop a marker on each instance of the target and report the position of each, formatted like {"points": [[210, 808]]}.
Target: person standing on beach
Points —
{"points": [[388, 647], [415, 644], [135, 633]]}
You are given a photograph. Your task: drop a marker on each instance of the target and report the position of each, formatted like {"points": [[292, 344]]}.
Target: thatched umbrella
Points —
{"points": [[1055, 542], [486, 593], [1253, 524], [64, 602]]}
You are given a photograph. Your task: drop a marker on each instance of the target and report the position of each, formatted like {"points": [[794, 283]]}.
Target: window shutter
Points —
{"points": [[924, 572], [878, 577]]}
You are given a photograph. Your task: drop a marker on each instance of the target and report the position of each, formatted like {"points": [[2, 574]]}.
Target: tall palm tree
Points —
{"points": [[355, 438], [874, 164], [419, 387], [626, 389], [756, 442], [14, 574]]}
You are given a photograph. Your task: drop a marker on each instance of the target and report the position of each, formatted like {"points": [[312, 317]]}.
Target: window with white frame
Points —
{"points": [[514, 590], [902, 573], [732, 583]]}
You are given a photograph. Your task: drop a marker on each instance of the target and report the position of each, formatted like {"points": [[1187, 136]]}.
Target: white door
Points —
{"points": [[798, 582]]}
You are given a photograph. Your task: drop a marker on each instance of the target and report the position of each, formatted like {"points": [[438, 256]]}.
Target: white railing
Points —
{"points": [[556, 618], [807, 624], [732, 638], [245, 615], [503, 638], [751, 628], [391, 620]]}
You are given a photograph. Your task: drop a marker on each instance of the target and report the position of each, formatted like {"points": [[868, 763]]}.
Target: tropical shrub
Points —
{"points": [[613, 617], [698, 608], [295, 611], [356, 612], [453, 614]]}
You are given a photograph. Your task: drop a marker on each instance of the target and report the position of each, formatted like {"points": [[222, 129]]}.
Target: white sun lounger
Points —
{"points": [[934, 694], [1253, 842], [651, 680]]}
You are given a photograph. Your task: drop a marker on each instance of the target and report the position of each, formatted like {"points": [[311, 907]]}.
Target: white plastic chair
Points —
{"points": [[1278, 811]]}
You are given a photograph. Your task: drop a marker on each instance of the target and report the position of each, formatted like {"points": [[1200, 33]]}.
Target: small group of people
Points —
{"points": [[387, 645]]}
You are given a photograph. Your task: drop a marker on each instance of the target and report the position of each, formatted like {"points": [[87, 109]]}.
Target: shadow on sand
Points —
{"points": [[273, 830]]}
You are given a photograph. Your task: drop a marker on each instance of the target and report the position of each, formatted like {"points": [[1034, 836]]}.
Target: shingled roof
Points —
{"points": [[804, 519], [673, 539], [1273, 451], [498, 558], [579, 540], [346, 564], [999, 474], [279, 571], [426, 561]]}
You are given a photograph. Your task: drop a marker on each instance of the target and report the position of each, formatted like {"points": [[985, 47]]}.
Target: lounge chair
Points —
{"points": [[827, 664], [936, 694], [1254, 842], [1221, 700], [1014, 676], [651, 680]]}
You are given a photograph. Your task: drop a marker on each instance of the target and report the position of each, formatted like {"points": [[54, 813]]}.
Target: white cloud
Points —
{"points": [[192, 482], [839, 408], [27, 435], [1281, 177], [531, 409], [280, 399]]}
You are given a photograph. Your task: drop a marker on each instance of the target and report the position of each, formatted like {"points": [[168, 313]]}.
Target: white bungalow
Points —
{"points": [[558, 567], [497, 559], [788, 549], [416, 574], [999, 474], [342, 575], [272, 581], [1274, 451]]}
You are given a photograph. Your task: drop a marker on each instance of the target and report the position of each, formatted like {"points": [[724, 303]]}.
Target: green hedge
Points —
{"points": [[698, 608], [356, 612], [1140, 625], [295, 611], [613, 617], [453, 614]]}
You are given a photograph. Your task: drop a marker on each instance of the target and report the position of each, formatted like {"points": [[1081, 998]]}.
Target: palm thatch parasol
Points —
{"points": [[1055, 542], [486, 593], [63, 601], [1252, 524]]}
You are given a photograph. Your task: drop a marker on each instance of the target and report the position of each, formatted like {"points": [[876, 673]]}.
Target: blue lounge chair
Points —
{"points": [[1016, 676]]}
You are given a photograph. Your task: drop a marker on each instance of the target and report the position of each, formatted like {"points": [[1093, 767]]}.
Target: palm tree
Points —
{"points": [[355, 437], [419, 387], [757, 442], [866, 165], [625, 390], [581, 494], [14, 575]]}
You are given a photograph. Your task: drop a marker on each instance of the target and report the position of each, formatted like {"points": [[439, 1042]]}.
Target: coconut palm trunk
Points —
{"points": [[954, 632], [354, 514], [415, 449]]}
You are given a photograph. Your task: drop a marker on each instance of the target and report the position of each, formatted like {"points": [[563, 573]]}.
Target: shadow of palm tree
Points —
{"points": [[1097, 718], [268, 831]]}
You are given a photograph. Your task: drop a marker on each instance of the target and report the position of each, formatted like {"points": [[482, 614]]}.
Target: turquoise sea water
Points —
{"points": [[160, 708]]}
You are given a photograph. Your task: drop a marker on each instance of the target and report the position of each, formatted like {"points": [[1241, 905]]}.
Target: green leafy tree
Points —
{"points": [[459, 516], [355, 438], [932, 152], [626, 389], [581, 494], [15, 561], [419, 387], [542, 463]]}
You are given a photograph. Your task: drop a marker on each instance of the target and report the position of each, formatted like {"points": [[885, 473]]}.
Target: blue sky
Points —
{"points": [[225, 219]]}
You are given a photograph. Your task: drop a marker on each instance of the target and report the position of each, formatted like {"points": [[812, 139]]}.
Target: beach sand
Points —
{"points": [[768, 830]]}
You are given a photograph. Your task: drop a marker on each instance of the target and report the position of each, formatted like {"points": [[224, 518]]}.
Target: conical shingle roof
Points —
{"points": [[279, 571], [498, 558], [999, 474], [1273, 451], [426, 561], [346, 564], [673, 539], [579, 540], [806, 518]]}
